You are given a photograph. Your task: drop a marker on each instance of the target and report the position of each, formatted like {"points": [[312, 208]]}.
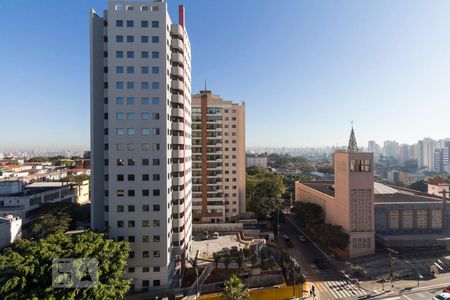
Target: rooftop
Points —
{"points": [[438, 180]]}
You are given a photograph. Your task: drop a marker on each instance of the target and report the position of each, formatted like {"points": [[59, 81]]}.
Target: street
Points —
{"points": [[329, 283]]}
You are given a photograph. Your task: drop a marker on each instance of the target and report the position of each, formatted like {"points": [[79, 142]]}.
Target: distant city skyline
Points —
{"points": [[383, 64]]}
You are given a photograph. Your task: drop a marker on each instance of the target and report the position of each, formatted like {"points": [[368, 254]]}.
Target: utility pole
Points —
{"points": [[391, 272]]}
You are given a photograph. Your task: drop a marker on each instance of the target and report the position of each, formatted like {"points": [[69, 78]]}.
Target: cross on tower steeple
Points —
{"points": [[352, 145]]}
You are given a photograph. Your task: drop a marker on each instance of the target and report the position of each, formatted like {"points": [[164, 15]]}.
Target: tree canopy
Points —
{"points": [[264, 192], [38, 159], [27, 267]]}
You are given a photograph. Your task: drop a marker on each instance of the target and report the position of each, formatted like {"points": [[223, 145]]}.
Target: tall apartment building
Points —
{"points": [[441, 160], [218, 158], [426, 154], [141, 136]]}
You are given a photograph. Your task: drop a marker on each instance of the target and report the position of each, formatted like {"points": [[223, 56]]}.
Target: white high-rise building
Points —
{"points": [[141, 136], [426, 154]]}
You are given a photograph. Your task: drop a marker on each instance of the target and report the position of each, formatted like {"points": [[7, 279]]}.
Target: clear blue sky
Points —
{"points": [[304, 68]]}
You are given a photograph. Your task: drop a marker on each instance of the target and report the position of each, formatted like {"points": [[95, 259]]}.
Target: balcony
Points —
{"points": [[177, 98], [177, 194], [177, 71], [177, 58], [177, 209], [177, 167], [178, 180], [177, 44], [178, 140], [178, 222], [178, 112], [177, 126], [177, 85], [178, 153], [177, 29]]}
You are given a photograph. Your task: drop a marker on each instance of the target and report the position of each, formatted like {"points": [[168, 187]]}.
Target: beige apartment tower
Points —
{"points": [[218, 159]]}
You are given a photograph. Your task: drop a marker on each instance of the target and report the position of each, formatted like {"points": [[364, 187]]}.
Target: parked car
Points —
{"points": [[446, 289], [205, 235], [319, 263], [216, 235], [302, 238], [442, 296]]}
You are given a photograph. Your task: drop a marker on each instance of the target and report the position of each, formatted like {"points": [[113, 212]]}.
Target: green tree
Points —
{"points": [[235, 289], [51, 222], [38, 159], [333, 236], [226, 260], [264, 192], [216, 257], [420, 186], [308, 215], [27, 267]]}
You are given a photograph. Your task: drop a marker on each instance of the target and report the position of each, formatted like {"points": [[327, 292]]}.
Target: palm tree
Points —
{"points": [[235, 289], [216, 257], [226, 260], [239, 259]]}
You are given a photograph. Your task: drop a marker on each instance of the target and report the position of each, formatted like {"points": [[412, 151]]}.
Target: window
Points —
{"points": [[155, 101], [131, 208], [145, 193], [156, 269], [119, 23], [130, 85], [130, 70], [131, 269], [130, 54], [155, 39], [131, 131], [145, 131], [155, 85], [145, 162], [131, 224], [145, 207], [144, 101], [155, 147], [120, 177], [156, 253], [130, 39], [144, 39], [436, 219], [155, 116], [120, 147], [156, 162], [156, 192], [119, 54], [130, 100], [119, 85], [130, 116], [144, 85], [119, 38], [120, 162], [155, 70], [407, 219], [156, 223], [156, 282], [145, 269], [145, 146], [120, 208], [119, 69], [120, 193], [145, 223], [422, 219], [130, 23], [145, 177], [120, 224], [145, 116], [394, 220], [156, 207], [130, 177], [130, 147], [145, 239], [120, 116], [360, 165], [155, 24], [144, 70], [145, 254], [131, 162], [155, 131], [156, 177], [131, 239], [144, 24], [155, 54], [120, 131], [144, 54]]}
